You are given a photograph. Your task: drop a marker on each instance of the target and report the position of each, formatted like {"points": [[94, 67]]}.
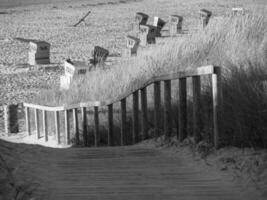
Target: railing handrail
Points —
{"points": [[204, 70]]}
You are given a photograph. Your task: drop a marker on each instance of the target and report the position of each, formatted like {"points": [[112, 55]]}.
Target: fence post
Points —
{"points": [[135, 116], [84, 125], [11, 119], [157, 108], [36, 116], [27, 118], [96, 118], [144, 113], [76, 125], [197, 123], [57, 126], [167, 108], [182, 109], [45, 125], [67, 126], [216, 102], [110, 125], [6, 118], [123, 120]]}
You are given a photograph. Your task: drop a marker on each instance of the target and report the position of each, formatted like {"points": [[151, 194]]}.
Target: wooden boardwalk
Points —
{"points": [[133, 173]]}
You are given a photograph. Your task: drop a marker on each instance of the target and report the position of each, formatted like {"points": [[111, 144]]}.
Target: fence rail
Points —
{"points": [[79, 111]]}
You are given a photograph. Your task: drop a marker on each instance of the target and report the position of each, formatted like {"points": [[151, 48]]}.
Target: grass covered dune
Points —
{"points": [[233, 43], [237, 44]]}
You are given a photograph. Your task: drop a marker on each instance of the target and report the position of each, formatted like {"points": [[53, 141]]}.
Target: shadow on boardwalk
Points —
{"points": [[131, 172]]}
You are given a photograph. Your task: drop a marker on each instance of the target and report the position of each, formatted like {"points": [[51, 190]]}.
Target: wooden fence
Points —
{"points": [[81, 108]]}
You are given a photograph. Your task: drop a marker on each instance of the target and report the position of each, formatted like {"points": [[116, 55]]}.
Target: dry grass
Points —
{"points": [[237, 44], [106, 26], [233, 43]]}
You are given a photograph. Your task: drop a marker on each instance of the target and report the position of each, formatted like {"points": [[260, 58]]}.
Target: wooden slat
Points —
{"points": [[200, 71], [92, 104], [110, 125], [157, 108], [76, 125], [45, 131], [216, 101], [57, 126], [96, 131], [84, 125], [123, 120], [204, 70], [47, 108], [135, 117], [182, 109], [27, 118], [197, 123], [67, 126], [144, 113], [129, 173], [72, 106], [37, 127], [167, 109]]}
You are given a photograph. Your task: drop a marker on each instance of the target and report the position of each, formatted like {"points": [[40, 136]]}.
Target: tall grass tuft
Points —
{"points": [[237, 44]]}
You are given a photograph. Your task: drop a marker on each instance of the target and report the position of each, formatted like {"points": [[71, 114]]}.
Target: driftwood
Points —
{"points": [[82, 19]]}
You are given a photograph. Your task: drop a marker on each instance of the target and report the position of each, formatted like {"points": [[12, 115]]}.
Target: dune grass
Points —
{"points": [[237, 44]]}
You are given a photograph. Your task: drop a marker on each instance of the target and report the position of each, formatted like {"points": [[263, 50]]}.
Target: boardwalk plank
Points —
{"points": [[133, 173]]}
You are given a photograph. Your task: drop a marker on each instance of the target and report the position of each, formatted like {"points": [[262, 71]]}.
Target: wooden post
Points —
{"points": [[45, 125], [57, 127], [110, 125], [84, 125], [135, 116], [67, 126], [36, 117], [157, 108], [28, 123], [197, 123], [27, 119], [123, 120], [11, 119], [6, 118], [182, 109], [144, 113], [167, 108], [96, 118], [76, 125], [216, 101]]}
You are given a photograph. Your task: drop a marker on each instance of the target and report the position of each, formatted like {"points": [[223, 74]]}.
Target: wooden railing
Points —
{"points": [[212, 71]]}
